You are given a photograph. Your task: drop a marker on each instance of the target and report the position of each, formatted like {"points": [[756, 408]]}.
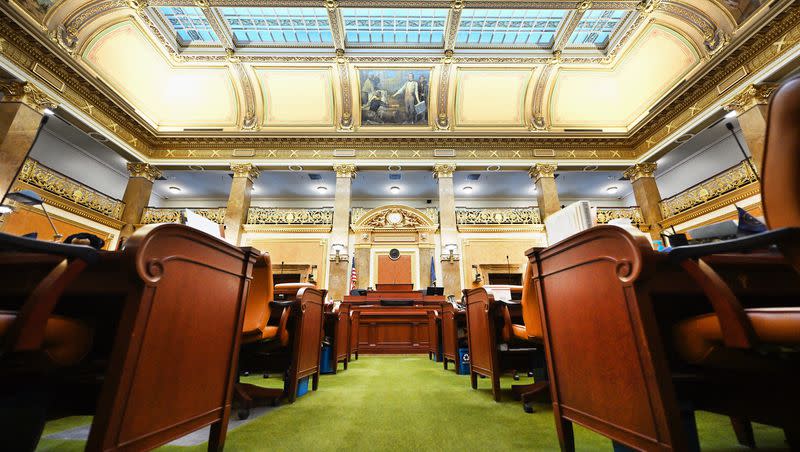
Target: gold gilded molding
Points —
{"points": [[346, 120], [639, 171], [498, 216], [155, 215], [391, 218], [70, 194], [345, 170], [247, 170], [442, 170], [540, 170], [145, 170], [23, 92], [732, 179], [606, 214], [285, 216], [751, 96]]}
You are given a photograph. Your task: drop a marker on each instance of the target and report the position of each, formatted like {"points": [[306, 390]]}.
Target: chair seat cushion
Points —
{"points": [[697, 338], [66, 340], [520, 332]]}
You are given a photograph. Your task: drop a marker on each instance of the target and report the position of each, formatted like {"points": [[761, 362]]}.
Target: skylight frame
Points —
{"points": [[613, 34], [440, 16], [491, 15], [169, 27], [234, 31]]}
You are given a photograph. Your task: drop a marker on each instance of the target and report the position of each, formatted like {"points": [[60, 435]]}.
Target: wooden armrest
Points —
{"points": [[282, 303], [751, 242], [510, 302]]}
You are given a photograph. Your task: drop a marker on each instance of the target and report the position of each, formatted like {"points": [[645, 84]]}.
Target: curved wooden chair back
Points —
{"points": [[257, 311], [530, 305]]}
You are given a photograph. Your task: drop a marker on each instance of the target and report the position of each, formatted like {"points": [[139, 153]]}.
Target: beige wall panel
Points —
{"points": [[167, 96], [296, 251], [488, 251], [491, 98], [297, 97], [617, 98]]}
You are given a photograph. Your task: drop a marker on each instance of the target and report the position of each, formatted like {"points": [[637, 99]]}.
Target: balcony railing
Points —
{"points": [[286, 216], [50, 181], [606, 214], [154, 215], [714, 187], [498, 216]]}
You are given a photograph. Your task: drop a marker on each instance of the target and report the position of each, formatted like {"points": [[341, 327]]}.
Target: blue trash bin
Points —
{"points": [[302, 387], [463, 361], [326, 364]]}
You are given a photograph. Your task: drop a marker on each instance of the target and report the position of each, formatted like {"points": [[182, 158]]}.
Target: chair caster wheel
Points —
{"points": [[243, 413], [266, 375], [245, 374], [516, 377], [527, 408]]}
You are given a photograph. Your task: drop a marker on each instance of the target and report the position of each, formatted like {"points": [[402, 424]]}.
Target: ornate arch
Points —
{"points": [[393, 218]]}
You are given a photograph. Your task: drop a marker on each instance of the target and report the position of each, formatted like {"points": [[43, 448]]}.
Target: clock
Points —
{"points": [[394, 254], [394, 218]]}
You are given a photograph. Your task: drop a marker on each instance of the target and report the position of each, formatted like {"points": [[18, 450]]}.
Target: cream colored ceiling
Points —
{"points": [[505, 93]]}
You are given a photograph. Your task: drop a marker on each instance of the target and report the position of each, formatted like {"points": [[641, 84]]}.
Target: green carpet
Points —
{"points": [[411, 403]]}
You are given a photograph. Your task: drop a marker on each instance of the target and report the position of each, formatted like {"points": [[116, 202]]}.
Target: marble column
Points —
{"points": [[362, 267], [21, 113], [137, 195], [543, 175], [339, 281], [425, 255], [647, 195], [244, 175], [451, 270], [751, 108]]}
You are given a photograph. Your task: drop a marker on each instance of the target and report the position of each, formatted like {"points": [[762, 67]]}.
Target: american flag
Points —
{"points": [[353, 276]]}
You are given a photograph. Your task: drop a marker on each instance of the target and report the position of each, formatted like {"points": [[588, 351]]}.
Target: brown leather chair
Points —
{"points": [[287, 291]]}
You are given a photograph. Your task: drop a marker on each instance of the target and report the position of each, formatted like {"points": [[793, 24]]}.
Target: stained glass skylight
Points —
{"points": [[305, 26], [189, 24], [509, 27], [596, 27], [393, 26]]}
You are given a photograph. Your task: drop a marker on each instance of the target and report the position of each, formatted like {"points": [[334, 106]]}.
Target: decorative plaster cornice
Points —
{"points": [[247, 170], [145, 170], [442, 170], [639, 171], [751, 96], [540, 170], [23, 92], [347, 170]]}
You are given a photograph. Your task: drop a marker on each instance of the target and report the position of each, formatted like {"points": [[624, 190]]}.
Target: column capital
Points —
{"points": [[442, 170], [24, 92], [752, 96], [245, 170], [345, 170], [639, 171], [540, 170], [144, 170]]}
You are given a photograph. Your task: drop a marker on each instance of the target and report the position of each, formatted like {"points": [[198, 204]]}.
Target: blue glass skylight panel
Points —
{"points": [[387, 26], [509, 27], [279, 25], [189, 24], [596, 27]]}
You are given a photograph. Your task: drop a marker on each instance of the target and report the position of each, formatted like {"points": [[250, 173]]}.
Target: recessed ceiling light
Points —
{"points": [[612, 189], [493, 168], [395, 190], [5, 209], [394, 168], [174, 189], [467, 189], [533, 188], [322, 189], [590, 168], [49, 112], [731, 114], [295, 168], [98, 136], [253, 189], [196, 168]]}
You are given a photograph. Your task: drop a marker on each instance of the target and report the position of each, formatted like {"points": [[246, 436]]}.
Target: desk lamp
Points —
{"points": [[31, 198]]}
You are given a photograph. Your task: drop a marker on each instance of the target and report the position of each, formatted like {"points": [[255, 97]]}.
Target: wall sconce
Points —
{"points": [[339, 253], [450, 253], [478, 277]]}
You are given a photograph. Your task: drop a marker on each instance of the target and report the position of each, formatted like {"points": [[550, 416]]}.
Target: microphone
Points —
{"points": [[508, 263], [281, 267]]}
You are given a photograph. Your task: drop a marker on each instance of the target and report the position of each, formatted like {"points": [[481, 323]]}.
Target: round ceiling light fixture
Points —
{"points": [[493, 168], [4, 209], [174, 189], [590, 168], [322, 189], [196, 168], [394, 189], [98, 136], [731, 114], [684, 138], [394, 168], [295, 168], [467, 189], [612, 189]]}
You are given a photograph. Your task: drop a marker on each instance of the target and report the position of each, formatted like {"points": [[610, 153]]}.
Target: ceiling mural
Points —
{"points": [[564, 75]]}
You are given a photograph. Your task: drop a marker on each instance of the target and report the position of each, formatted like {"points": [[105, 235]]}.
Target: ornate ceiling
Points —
{"points": [[183, 81]]}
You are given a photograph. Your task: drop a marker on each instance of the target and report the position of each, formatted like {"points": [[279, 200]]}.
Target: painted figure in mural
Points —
{"points": [[422, 89], [391, 97], [410, 93]]}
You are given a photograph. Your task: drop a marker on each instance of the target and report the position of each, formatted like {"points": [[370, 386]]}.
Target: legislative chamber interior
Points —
{"points": [[400, 225]]}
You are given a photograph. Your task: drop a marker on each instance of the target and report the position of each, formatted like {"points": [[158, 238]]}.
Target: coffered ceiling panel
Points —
{"points": [[297, 97], [168, 97], [618, 97], [491, 97]]}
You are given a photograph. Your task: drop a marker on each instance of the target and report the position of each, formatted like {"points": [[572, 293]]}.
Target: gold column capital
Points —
{"points": [[145, 170], [639, 171], [752, 96], [24, 92], [245, 170], [442, 170], [540, 170], [345, 170]]}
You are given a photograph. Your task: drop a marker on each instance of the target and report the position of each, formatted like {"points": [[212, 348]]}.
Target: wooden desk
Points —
{"points": [[392, 329]]}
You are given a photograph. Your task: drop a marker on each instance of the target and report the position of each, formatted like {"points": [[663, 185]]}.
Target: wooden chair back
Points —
{"points": [[307, 337], [342, 336], [173, 362], [606, 364], [434, 318], [257, 312], [531, 314], [482, 337], [449, 334]]}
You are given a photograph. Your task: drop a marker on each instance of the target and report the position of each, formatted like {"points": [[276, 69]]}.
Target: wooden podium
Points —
{"points": [[394, 287]]}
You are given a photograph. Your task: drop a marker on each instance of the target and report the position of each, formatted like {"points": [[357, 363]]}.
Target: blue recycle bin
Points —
{"points": [[463, 361], [326, 364]]}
